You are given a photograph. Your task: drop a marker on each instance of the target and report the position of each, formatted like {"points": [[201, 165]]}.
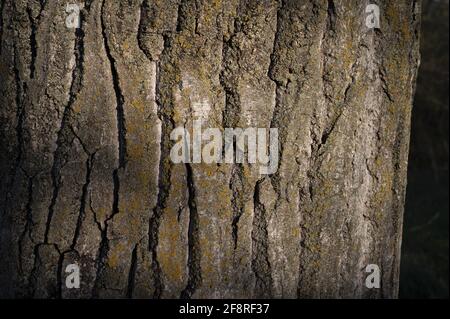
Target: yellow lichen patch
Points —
{"points": [[385, 191], [348, 56], [184, 42], [209, 170], [132, 204], [392, 13], [76, 108], [144, 178], [247, 173], [223, 199], [177, 116], [134, 221], [295, 232], [211, 10], [138, 105], [399, 22], [125, 45], [136, 151], [206, 247], [117, 253], [102, 213], [177, 186], [171, 257]]}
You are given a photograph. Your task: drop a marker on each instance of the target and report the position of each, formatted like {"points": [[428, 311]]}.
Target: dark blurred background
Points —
{"points": [[425, 251]]}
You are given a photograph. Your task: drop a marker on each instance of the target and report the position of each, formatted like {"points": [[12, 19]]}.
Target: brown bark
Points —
{"points": [[86, 176]]}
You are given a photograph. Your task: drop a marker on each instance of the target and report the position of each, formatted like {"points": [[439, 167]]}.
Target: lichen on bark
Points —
{"points": [[86, 177]]}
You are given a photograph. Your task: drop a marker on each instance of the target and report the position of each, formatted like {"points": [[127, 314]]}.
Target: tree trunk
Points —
{"points": [[86, 172]]}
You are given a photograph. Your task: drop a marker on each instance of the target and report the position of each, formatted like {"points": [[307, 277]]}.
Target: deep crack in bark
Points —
{"points": [[260, 256], [195, 278]]}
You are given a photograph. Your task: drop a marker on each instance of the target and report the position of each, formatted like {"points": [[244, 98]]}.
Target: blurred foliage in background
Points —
{"points": [[424, 268]]}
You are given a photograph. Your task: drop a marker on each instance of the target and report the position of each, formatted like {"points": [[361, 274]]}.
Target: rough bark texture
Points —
{"points": [[86, 176]]}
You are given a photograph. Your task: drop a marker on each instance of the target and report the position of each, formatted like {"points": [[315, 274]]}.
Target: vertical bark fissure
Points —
{"points": [[122, 152], [34, 22], [101, 258], [28, 222], [144, 9], [32, 277], [230, 119], [19, 99], [164, 177], [59, 271], [280, 89], [260, 255], [122, 157], [331, 16], [21, 89], [56, 182], [64, 129], [81, 215], [154, 223], [194, 251], [237, 200], [384, 86], [328, 55], [83, 200], [116, 195], [180, 16], [120, 100], [132, 272]]}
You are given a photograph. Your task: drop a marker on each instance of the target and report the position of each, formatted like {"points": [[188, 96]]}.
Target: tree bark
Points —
{"points": [[86, 177]]}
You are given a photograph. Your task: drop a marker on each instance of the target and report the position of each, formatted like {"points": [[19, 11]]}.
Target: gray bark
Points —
{"points": [[86, 176]]}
